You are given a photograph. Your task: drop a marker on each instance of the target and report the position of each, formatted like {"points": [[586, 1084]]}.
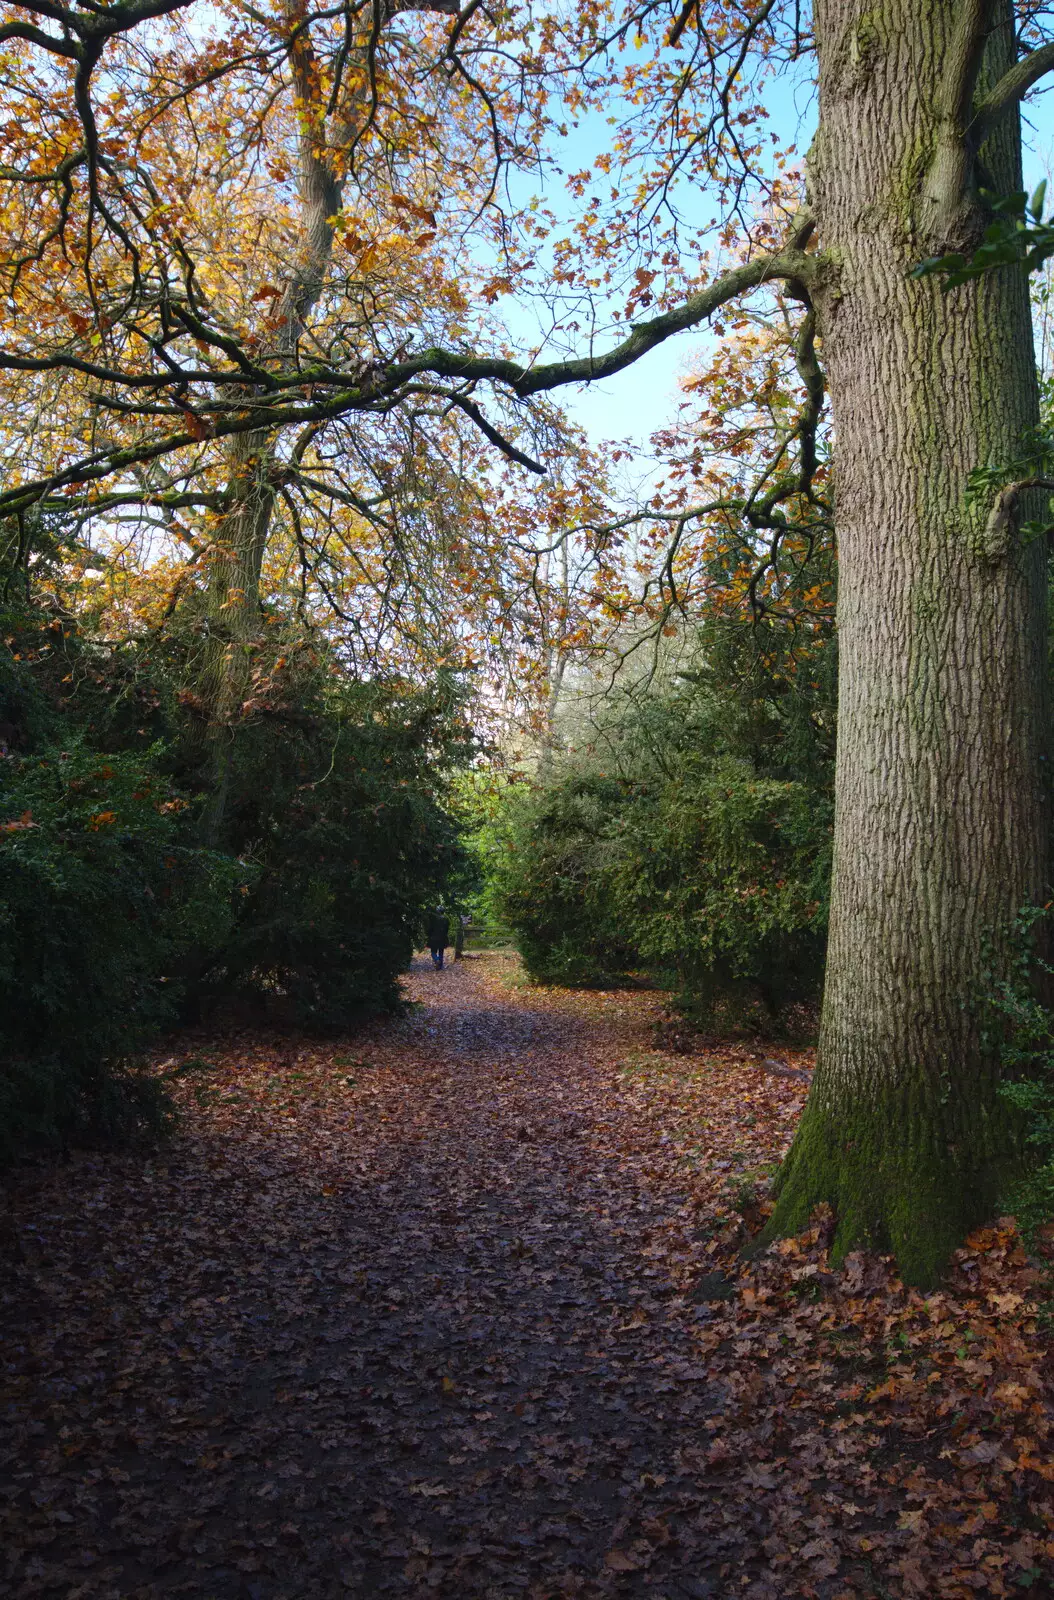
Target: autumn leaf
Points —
{"points": [[621, 1561], [348, 1299], [18, 826]]}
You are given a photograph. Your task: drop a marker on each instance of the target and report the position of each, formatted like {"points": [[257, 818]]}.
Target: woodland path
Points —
{"points": [[425, 1315], [429, 1345]]}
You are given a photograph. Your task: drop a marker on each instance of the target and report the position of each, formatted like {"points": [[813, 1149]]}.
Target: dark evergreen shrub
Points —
{"points": [[339, 811], [687, 835], [116, 921], [553, 867], [101, 897]]}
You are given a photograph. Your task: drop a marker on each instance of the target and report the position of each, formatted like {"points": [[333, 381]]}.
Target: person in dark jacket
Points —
{"points": [[438, 936]]}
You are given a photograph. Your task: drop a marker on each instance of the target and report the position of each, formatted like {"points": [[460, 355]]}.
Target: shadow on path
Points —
{"points": [[392, 1321]]}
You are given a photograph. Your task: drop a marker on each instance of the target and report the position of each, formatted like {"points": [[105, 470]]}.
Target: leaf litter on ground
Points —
{"points": [[458, 1308]]}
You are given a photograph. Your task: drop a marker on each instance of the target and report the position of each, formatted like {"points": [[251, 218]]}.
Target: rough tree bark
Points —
{"points": [[940, 825]]}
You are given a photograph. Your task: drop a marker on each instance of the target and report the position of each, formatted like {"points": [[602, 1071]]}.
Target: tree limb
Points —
{"points": [[497, 439], [964, 62], [999, 527], [380, 386], [784, 264], [1012, 87]]}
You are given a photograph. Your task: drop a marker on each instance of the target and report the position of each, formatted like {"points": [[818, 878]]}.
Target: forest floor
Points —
{"points": [[456, 1310]]}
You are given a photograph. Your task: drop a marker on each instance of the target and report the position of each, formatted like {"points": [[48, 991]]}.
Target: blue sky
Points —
{"points": [[632, 405]]}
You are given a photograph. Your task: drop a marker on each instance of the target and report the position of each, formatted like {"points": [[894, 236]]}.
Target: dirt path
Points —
{"points": [[425, 1344], [433, 1314]]}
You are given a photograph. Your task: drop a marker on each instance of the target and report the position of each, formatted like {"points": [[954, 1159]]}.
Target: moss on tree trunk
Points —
{"points": [[940, 821], [900, 1173]]}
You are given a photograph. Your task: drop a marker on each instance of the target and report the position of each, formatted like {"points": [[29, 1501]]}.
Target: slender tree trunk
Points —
{"points": [[231, 619], [232, 595], [555, 662], [940, 828]]}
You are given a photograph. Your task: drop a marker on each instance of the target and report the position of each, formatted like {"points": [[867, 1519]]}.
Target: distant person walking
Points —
{"points": [[438, 936]]}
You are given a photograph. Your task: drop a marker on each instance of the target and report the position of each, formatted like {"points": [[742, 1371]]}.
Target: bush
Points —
{"points": [[723, 878], [686, 833], [327, 825], [715, 884], [100, 898], [551, 868], [1023, 1023], [330, 811], [340, 814]]}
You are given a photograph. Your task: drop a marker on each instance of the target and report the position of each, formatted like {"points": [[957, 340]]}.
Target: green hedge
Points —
{"points": [[342, 820], [685, 834]]}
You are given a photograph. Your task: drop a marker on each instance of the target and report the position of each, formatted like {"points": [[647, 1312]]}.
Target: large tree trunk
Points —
{"points": [[940, 816]]}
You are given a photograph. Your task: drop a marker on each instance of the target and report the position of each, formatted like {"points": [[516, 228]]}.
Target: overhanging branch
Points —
{"points": [[497, 439], [645, 336], [382, 385]]}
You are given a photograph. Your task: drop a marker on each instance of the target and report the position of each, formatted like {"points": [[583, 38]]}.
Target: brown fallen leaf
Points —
{"points": [[389, 1331], [622, 1561]]}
